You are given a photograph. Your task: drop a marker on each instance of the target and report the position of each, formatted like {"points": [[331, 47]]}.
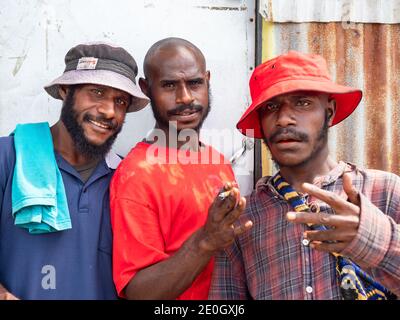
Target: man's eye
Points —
{"points": [[122, 102], [168, 85], [303, 103], [271, 106], [195, 82], [97, 92]]}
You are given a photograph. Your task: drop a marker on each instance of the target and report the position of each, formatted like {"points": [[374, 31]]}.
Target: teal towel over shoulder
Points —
{"points": [[39, 202]]}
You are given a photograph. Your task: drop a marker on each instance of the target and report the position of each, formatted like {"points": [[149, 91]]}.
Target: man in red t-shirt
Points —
{"points": [[174, 202]]}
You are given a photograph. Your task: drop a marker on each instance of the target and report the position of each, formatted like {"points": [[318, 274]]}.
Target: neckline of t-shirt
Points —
{"points": [[147, 145]]}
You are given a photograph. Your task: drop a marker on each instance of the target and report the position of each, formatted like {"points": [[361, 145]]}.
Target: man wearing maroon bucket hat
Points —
{"points": [[322, 229]]}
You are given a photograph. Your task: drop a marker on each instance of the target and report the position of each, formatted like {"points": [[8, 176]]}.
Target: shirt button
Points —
{"points": [[305, 242], [309, 289]]}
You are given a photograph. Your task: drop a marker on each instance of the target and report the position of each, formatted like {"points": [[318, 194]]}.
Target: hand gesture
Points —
{"points": [[343, 224]]}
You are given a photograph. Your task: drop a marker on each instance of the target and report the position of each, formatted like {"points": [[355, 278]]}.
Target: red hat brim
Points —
{"points": [[347, 99]]}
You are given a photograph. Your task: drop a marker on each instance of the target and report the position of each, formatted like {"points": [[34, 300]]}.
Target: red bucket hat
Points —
{"points": [[291, 72]]}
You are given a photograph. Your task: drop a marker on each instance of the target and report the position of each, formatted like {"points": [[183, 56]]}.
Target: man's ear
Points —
{"points": [[144, 85], [208, 75], [331, 110], [62, 91]]}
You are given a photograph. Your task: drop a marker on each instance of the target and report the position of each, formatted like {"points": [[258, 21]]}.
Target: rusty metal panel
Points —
{"points": [[366, 11], [366, 56]]}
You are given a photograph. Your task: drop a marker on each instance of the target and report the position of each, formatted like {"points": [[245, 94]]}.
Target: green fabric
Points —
{"points": [[39, 202]]}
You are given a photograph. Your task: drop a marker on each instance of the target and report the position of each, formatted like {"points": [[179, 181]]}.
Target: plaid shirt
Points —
{"points": [[272, 261]]}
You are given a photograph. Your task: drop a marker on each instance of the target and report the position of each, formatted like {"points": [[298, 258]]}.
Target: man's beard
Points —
{"points": [[164, 123], [70, 119], [321, 141]]}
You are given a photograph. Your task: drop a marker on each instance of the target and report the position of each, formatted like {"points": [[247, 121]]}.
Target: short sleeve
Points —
{"points": [[137, 240]]}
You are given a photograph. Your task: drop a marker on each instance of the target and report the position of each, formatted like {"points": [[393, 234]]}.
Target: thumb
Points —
{"points": [[350, 190]]}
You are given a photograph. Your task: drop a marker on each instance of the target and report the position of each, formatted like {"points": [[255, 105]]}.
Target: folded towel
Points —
{"points": [[39, 202]]}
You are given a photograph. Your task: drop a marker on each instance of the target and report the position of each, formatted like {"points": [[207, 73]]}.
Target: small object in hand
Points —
{"points": [[314, 207], [224, 195]]}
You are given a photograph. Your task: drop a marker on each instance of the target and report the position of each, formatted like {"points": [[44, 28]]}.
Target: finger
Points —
{"points": [[225, 205], [234, 184], [310, 218], [232, 216], [350, 190], [222, 198], [228, 185], [328, 247], [232, 200], [242, 228], [329, 235], [330, 220], [224, 190], [341, 206], [332, 199]]}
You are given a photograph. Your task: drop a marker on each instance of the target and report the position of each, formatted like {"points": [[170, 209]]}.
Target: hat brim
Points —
{"points": [[347, 99], [101, 77]]}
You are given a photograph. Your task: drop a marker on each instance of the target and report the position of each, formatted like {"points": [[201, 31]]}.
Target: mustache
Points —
{"points": [[181, 108], [111, 124], [291, 133]]}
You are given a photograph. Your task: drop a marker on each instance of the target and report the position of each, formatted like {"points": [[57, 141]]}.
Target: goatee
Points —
{"points": [[321, 141]]}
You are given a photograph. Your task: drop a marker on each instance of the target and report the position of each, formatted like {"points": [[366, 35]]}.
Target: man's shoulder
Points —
{"points": [[133, 170], [378, 175], [262, 185], [134, 158], [6, 141], [261, 192], [7, 157], [7, 150]]}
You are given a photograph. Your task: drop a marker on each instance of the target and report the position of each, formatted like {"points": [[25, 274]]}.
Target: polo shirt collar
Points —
{"points": [[104, 167]]}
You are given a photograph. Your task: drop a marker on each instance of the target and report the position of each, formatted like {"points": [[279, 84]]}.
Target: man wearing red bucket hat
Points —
{"points": [[322, 229]]}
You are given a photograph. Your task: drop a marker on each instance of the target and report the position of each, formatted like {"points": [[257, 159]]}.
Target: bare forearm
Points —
{"points": [[168, 279]]}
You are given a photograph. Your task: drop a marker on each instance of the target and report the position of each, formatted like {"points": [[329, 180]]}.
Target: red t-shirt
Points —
{"points": [[156, 206]]}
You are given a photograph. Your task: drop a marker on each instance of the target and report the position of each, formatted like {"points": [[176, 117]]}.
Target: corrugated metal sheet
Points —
{"points": [[366, 56], [346, 11]]}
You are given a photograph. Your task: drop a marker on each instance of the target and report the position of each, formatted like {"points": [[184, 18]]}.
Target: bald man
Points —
{"points": [[174, 200]]}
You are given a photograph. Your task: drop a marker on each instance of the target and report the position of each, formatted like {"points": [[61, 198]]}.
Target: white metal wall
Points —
{"points": [[36, 34]]}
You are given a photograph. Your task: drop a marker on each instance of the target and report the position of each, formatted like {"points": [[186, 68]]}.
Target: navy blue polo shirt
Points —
{"points": [[71, 264]]}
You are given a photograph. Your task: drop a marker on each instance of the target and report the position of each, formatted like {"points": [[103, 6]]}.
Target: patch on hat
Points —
{"points": [[87, 63]]}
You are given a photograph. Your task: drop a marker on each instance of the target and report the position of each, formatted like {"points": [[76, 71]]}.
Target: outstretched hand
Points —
{"points": [[220, 229], [344, 223]]}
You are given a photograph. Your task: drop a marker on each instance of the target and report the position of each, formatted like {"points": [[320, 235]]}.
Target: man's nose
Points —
{"points": [[107, 108], [285, 116], [184, 96]]}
